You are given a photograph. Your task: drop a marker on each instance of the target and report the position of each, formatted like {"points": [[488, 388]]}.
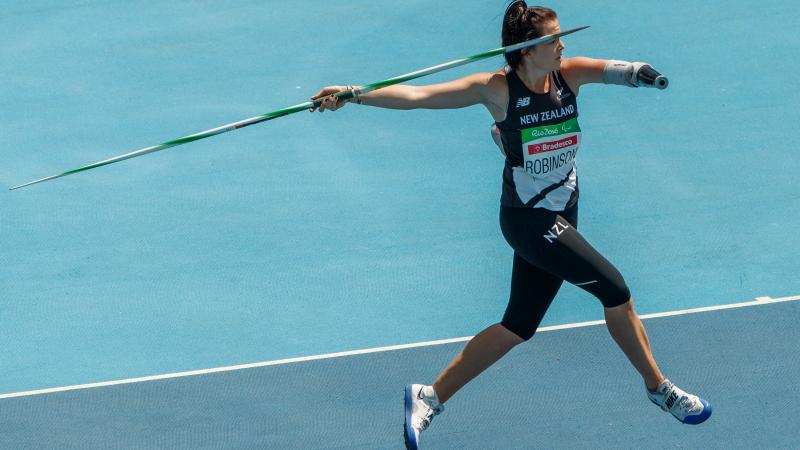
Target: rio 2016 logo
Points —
{"points": [[544, 132]]}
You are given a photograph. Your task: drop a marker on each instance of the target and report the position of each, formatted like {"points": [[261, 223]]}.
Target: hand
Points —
{"points": [[330, 102]]}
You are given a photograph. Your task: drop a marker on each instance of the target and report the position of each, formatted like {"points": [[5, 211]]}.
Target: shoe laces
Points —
{"points": [[683, 402], [427, 417], [687, 403], [425, 421]]}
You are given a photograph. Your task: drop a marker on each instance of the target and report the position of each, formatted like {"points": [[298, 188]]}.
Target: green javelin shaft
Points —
{"points": [[343, 95]]}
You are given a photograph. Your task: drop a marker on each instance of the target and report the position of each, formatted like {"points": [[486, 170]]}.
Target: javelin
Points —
{"points": [[342, 95]]}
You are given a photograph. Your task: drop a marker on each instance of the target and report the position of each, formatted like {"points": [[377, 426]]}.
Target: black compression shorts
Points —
{"points": [[548, 250]]}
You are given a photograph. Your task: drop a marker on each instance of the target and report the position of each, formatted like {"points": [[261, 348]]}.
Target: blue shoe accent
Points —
{"points": [[699, 418], [411, 440]]}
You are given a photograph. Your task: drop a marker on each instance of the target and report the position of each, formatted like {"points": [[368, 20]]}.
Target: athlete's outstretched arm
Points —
{"points": [[581, 70], [467, 91]]}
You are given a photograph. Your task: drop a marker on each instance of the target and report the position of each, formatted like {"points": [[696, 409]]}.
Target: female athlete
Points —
{"points": [[533, 102]]}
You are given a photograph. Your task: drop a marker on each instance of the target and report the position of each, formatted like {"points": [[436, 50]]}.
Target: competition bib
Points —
{"points": [[548, 148]]}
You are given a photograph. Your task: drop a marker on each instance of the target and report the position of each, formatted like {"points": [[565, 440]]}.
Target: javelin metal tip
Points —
{"points": [[574, 30], [33, 182]]}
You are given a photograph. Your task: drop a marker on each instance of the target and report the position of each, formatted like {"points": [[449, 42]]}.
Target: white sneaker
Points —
{"points": [[422, 404], [687, 408]]}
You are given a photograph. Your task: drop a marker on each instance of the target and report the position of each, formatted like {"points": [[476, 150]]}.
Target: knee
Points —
{"points": [[616, 294], [626, 305], [518, 330]]}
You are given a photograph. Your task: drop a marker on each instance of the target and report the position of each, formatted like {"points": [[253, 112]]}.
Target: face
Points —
{"points": [[546, 56]]}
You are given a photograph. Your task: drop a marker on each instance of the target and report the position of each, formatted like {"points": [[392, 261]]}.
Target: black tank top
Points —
{"points": [[540, 137]]}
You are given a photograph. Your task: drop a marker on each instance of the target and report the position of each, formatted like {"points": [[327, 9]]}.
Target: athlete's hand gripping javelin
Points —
{"points": [[331, 102]]}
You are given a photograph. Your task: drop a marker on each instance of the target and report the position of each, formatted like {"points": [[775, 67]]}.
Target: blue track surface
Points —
{"points": [[565, 389], [316, 233]]}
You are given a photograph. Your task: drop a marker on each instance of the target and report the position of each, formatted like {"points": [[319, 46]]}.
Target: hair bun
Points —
{"points": [[521, 23], [518, 4]]}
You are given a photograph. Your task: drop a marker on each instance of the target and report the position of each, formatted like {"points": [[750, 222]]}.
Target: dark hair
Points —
{"points": [[521, 24]]}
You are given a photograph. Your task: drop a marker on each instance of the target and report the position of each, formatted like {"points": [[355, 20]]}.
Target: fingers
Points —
{"points": [[327, 104], [330, 102], [317, 95], [323, 92]]}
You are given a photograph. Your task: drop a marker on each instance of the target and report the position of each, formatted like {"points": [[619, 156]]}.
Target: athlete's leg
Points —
{"points": [[551, 242], [532, 291], [481, 351], [555, 245], [628, 332]]}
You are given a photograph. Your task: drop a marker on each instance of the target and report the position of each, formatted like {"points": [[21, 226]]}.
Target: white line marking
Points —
{"points": [[756, 302], [584, 284]]}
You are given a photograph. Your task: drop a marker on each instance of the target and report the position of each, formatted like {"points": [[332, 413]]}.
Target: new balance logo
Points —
{"points": [[556, 231], [523, 101]]}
